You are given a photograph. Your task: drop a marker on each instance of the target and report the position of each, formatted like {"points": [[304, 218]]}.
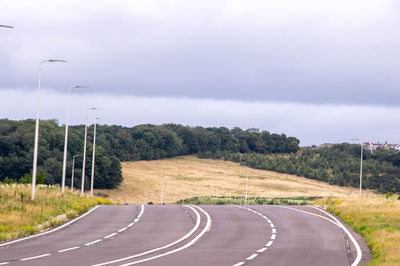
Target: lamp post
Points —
{"points": [[93, 156], [84, 151], [5, 26], [247, 185], [73, 168], [35, 149], [162, 192], [361, 162], [66, 138]]}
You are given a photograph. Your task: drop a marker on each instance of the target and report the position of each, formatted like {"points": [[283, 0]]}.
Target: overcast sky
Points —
{"points": [[322, 71]]}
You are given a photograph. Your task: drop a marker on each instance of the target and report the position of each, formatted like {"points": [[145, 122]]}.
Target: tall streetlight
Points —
{"points": [[66, 138], [361, 162], [84, 151], [35, 150], [73, 169], [162, 192], [93, 156], [247, 185]]}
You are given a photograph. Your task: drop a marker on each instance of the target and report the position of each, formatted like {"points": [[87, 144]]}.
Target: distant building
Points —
{"points": [[373, 146]]}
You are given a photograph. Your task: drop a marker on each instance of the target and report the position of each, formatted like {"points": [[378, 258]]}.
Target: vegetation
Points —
{"points": [[188, 176], [240, 200], [116, 143], [337, 164], [19, 216], [376, 218]]}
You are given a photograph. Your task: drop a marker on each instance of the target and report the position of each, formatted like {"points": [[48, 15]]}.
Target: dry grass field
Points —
{"points": [[188, 176]]}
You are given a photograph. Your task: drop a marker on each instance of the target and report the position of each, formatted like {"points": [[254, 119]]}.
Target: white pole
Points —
{"points": [[93, 156], [73, 170], [35, 149], [361, 161], [247, 183], [84, 153], [162, 193], [66, 139]]}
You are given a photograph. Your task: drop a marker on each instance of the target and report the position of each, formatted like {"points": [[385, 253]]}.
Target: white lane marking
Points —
{"points": [[194, 240], [198, 219], [136, 220], [269, 243], [252, 256], [274, 230], [359, 252], [36, 257], [239, 264], [50, 231], [110, 235], [67, 249], [129, 225], [122, 229], [4, 263], [261, 250], [309, 213], [273, 236], [93, 242]]}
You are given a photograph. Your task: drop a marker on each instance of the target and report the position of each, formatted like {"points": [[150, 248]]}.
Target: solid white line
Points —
{"points": [[67, 249], [206, 229], [4, 263], [261, 250], [359, 252], [269, 243], [122, 229], [50, 231], [93, 242], [273, 236], [198, 219], [110, 235], [36, 257], [309, 213], [252, 256], [136, 220], [239, 264], [129, 225]]}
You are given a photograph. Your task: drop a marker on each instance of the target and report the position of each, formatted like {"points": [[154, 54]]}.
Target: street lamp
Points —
{"points": [[73, 168], [84, 151], [5, 26], [361, 161], [66, 138], [35, 150], [93, 155], [162, 192], [247, 185]]}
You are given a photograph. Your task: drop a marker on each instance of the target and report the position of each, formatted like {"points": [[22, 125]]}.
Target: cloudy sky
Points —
{"points": [[322, 71]]}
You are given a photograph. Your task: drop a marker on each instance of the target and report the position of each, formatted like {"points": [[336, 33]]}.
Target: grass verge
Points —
{"points": [[240, 200], [376, 218], [20, 216]]}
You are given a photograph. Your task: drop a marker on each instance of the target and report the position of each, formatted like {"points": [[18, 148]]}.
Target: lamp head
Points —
{"points": [[5, 26], [55, 60]]}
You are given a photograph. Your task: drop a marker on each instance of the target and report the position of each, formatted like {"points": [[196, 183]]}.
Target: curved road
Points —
{"points": [[192, 235]]}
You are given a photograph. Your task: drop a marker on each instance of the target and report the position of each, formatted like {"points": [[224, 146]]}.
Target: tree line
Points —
{"points": [[117, 143], [337, 164]]}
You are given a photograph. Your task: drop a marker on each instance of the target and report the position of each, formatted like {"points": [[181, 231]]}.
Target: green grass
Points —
{"points": [[376, 218], [20, 216], [240, 200]]}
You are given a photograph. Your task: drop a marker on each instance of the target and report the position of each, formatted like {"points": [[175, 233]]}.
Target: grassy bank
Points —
{"points": [[240, 200], [376, 218], [19, 216]]}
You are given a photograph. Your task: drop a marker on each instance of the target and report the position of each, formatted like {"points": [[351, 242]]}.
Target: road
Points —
{"points": [[192, 235]]}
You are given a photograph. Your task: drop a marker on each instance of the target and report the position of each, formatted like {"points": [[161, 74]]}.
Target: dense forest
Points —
{"points": [[337, 164], [116, 143]]}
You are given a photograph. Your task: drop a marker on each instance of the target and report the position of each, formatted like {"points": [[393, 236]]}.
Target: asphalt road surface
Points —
{"points": [[193, 235]]}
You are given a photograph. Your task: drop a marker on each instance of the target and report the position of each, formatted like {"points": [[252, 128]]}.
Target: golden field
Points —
{"points": [[189, 176]]}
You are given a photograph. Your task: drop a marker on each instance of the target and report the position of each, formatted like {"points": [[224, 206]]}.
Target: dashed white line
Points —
{"points": [[273, 236], [36, 257], [239, 264], [269, 243], [93, 242], [274, 230], [261, 250], [122, 229], [4, 263], [252, 256], [67, 249], [110, 235], [129, 225]]}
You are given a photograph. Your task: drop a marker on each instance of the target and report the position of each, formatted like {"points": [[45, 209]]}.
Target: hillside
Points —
{"points": [[189, 176]]}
